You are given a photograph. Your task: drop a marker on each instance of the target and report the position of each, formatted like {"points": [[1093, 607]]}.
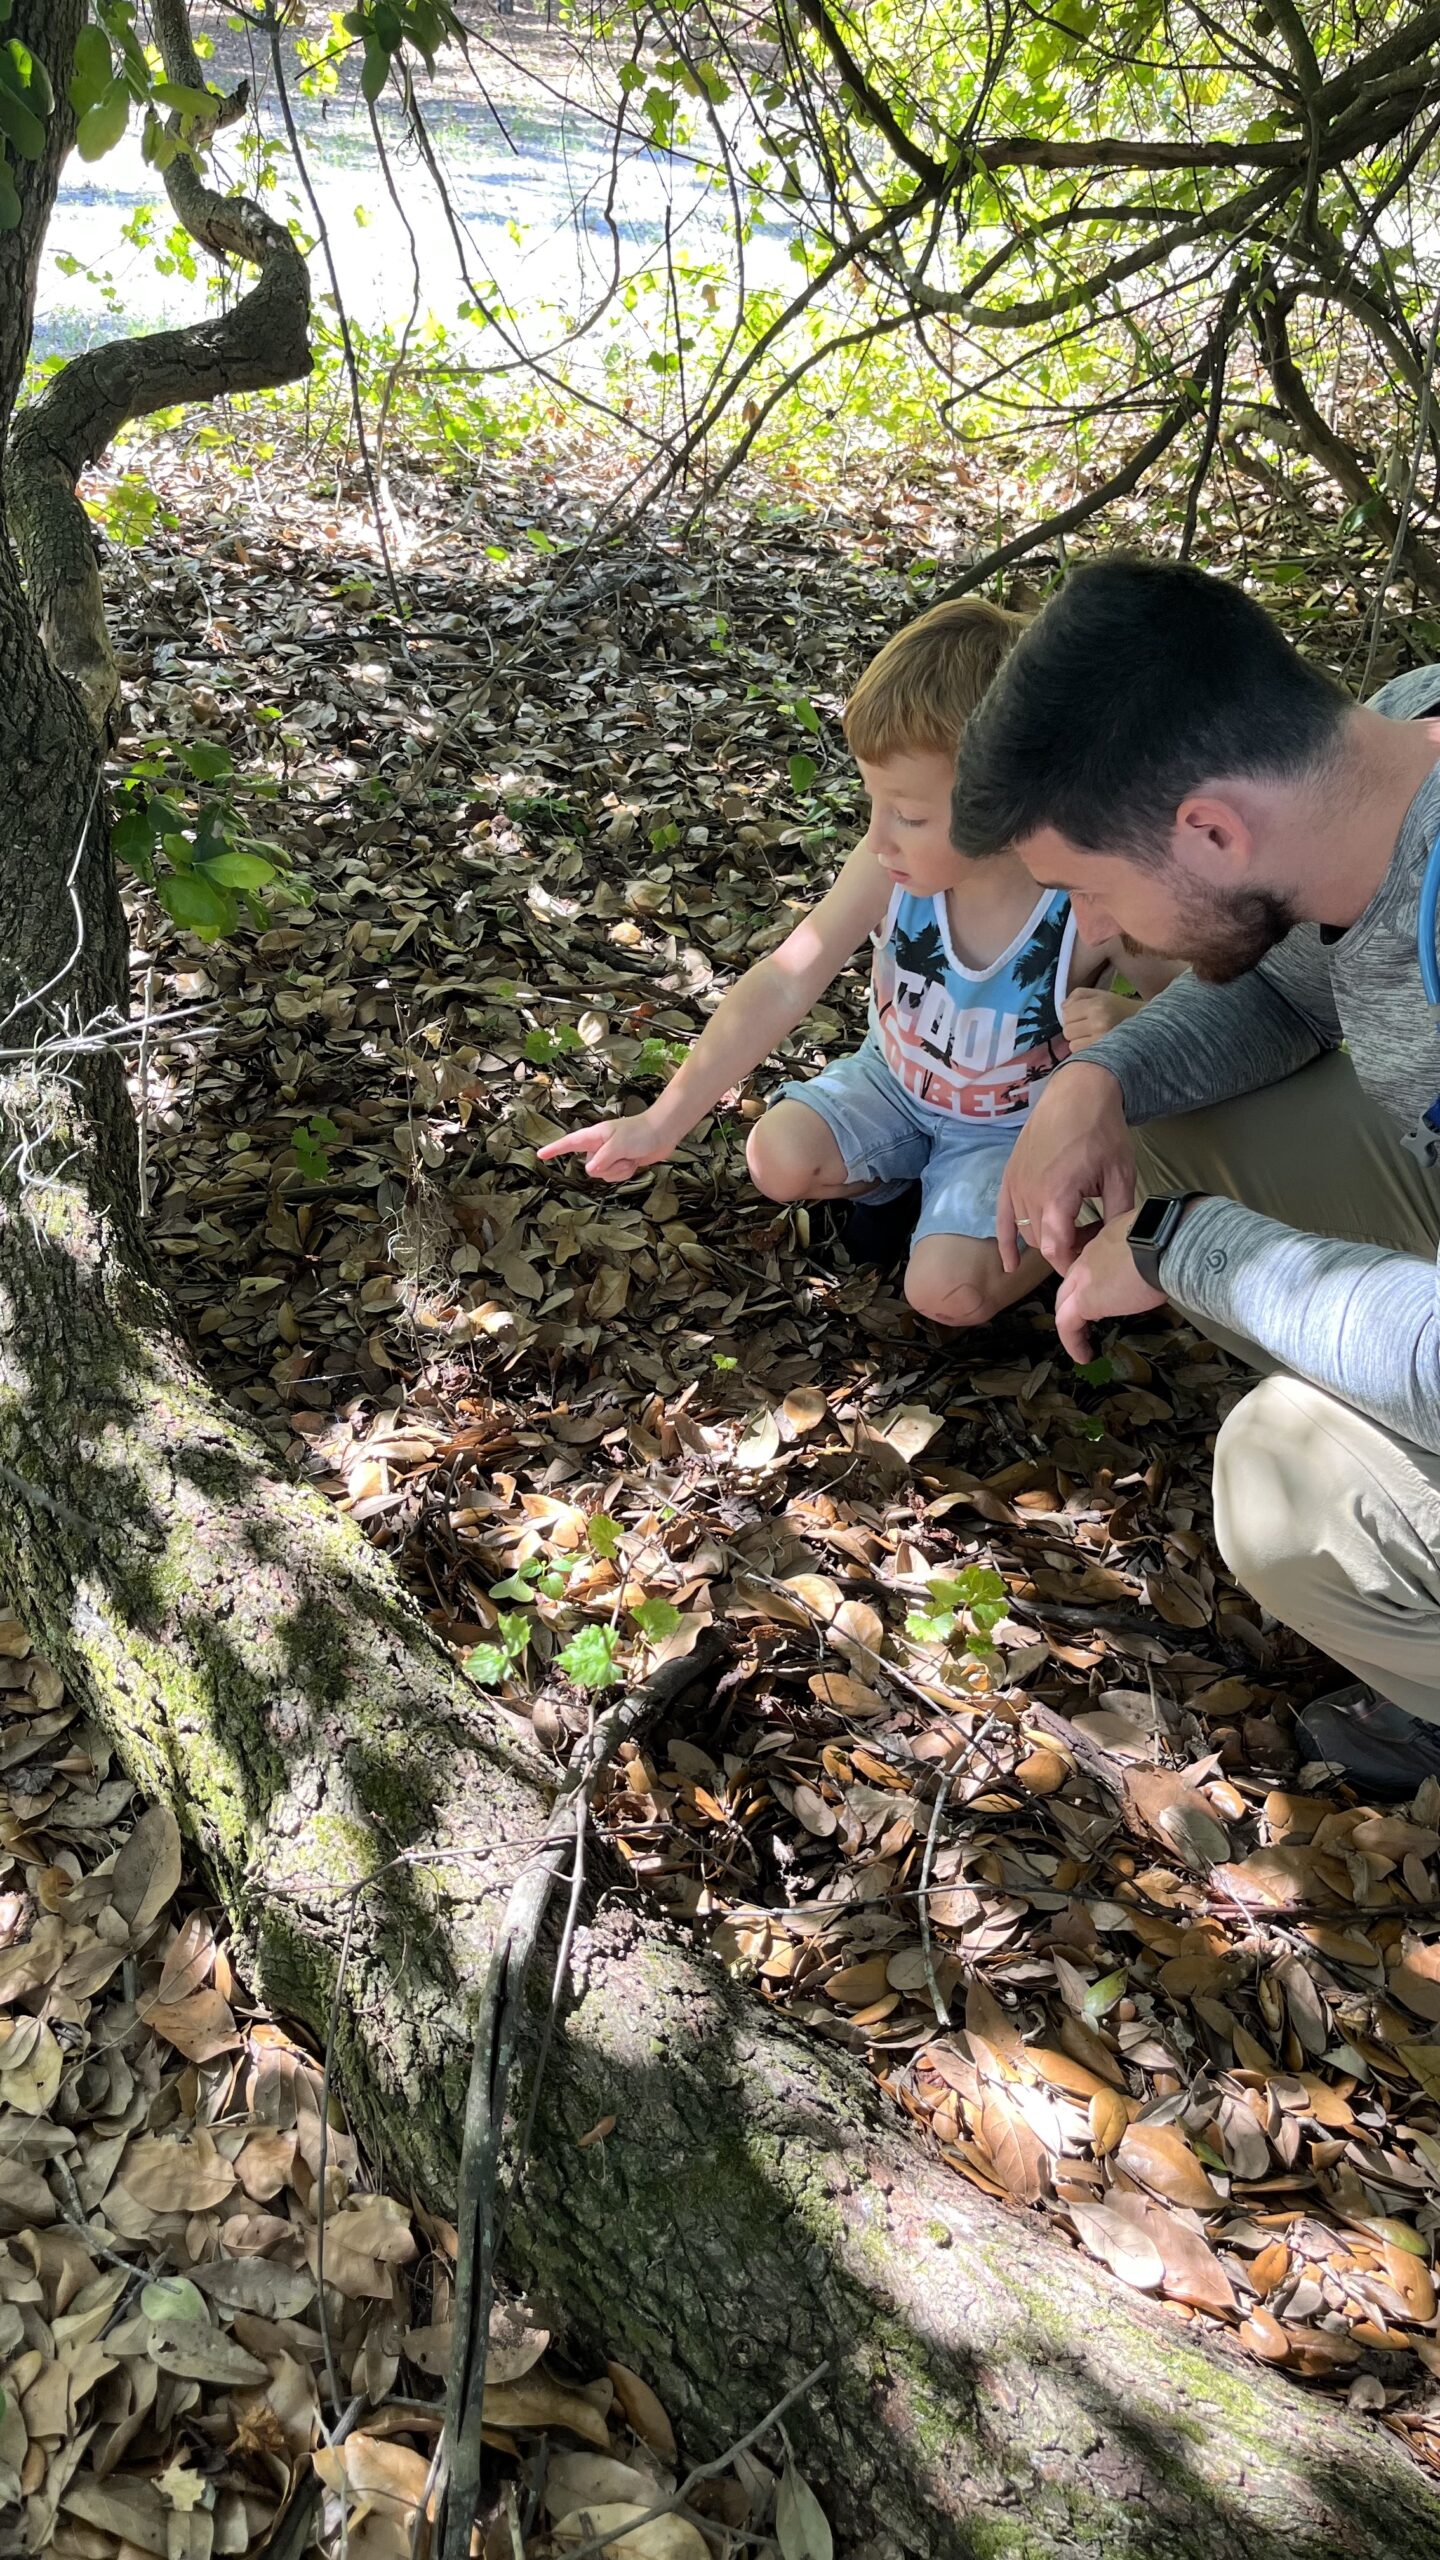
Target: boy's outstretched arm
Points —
{"points": [[758, 1013]]}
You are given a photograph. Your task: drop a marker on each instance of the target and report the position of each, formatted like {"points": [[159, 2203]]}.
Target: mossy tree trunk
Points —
{"points": [[756, 2208]]}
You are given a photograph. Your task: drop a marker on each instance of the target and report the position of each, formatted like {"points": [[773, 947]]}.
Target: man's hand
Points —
{"points": [[614, 1149], [1074, 1148], [1104, 1282]]}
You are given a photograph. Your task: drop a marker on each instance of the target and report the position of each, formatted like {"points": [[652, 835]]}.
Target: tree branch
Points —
{"points": [[261, 341], [1330, 449]]}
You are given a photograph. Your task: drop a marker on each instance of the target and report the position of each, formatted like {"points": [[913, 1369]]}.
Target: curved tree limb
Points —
{"points": [[262, 340], [1330, 449]]}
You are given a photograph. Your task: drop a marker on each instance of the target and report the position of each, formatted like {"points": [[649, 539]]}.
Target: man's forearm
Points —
{"points": [[1197, 1044], [1356, 1319]]}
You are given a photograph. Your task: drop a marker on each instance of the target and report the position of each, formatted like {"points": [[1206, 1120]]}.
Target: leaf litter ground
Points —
{"points": [[998, 1787]]}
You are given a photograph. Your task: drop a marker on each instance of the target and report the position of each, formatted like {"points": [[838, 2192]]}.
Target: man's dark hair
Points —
{"points": [[1140, 682]]}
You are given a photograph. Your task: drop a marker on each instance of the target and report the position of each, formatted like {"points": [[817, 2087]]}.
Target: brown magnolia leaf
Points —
{"points": [[1422, 2061], [593, 2479], [848, 1696], [759, 1443], [1040, 1773], [1415, 1980], [1177, 1597], [803, 1411], [1109, 2117], [31, 2085], [265, 2163], [362, 2243], [129, 2508], [628, 2537], [1388, 1835], [199, 2027], [819, 1818], [1159, 2157], [816, 1593], [1121, 2244], [195, 2352], [910, 1430], [856, 1623], [1193, 2273], [1021, 2162], [856, 1985], [1275, 1879], [536, 2399], [985, 2017], [188, 1959], [1262, 2333], [147, 1870], [373, 2467], [1178, 1814], [643, 2412], [176, 2177]]}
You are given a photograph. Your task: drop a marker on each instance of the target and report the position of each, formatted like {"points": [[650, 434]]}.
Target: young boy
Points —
{"points": [[970, 972]]}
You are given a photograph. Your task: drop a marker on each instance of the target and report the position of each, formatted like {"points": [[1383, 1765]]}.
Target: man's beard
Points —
{"points": [[1223, 938]]}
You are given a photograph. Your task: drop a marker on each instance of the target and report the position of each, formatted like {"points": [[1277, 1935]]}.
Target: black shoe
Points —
{"points": [[876, 1232], [1383, 1752]]}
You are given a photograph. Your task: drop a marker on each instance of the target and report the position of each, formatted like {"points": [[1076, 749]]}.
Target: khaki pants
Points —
{"points": [[1331, 1522]]}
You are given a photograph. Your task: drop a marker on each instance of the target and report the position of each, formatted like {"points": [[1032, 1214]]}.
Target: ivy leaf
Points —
{"points": [[589, 1658], [605, 1535], [656, 1619]]}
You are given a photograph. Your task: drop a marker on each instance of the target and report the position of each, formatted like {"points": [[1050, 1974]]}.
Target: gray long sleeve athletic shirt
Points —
{"points": [[1356, 1319]]}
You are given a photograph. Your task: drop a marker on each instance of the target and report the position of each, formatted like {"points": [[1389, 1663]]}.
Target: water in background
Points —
{"points": [[535, 164]]}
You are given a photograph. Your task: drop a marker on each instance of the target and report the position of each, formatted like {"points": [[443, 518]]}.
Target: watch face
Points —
{"points": [[1149, 1218]]}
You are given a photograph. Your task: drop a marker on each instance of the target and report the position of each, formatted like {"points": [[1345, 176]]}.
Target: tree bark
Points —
{"points": [[756, 2207]]}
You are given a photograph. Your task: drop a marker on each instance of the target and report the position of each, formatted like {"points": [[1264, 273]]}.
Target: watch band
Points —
{"points": [[1151, 1230]]}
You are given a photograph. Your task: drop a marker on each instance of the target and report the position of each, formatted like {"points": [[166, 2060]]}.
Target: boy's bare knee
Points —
{"points": [[787, 1161], [947, 1297]]}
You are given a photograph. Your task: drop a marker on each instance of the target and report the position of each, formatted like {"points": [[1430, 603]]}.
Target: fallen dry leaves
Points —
{"points": [[1165, 1993]]}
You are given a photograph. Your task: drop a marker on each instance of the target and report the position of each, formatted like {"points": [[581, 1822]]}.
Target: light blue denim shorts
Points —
{"points": [[887, 1139]]}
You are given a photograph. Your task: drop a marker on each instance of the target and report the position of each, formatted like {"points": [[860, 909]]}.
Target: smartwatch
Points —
{"points": [[1151, 1229]]}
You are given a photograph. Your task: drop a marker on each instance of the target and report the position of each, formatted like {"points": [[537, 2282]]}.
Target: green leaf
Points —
{"points": [[1102, 1995], [173, 2298], [604, 1535], [926, 1629], [187, 102], [656, 1619], [239, 870], [103, 125], [488, 1664], [803, 770], [800, 2526], [93, 67], [808, 716], [9, 199], [198, 904], [20, 124], [132, 836], [1096, 1373], [589, 1658], [375, 71], [208, 762]]}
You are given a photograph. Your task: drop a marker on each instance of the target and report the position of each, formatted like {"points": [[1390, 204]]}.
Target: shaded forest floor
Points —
{"points": [[984, 1664]]}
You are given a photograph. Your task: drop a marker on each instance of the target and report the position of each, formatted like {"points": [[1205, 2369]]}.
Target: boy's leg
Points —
{"points": [[792, 1155], [840, 1135], [955, 1275], [960, 1280]]}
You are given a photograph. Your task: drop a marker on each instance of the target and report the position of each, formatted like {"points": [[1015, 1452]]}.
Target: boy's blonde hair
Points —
{"points": [[917, 694]]}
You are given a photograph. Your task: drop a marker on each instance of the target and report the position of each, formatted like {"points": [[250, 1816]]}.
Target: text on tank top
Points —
{"points": [[977, 1043]]}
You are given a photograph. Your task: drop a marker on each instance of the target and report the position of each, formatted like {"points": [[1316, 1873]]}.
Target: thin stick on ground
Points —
{"points": [[496, 2041], [703, 2471]]}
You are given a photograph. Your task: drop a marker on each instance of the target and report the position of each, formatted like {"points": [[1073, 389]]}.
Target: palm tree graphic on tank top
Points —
{"points": [[1037, 966], [920, 956]]}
